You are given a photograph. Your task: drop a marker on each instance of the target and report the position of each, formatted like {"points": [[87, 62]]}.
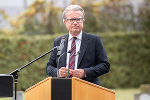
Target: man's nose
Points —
{"points": [[75, 21]]}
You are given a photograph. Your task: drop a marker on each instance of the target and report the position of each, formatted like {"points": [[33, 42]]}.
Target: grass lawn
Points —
{"points": [[121, 94], [125, 94]]}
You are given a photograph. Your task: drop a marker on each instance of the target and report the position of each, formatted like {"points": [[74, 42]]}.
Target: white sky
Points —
{"points": [[14, 3]]}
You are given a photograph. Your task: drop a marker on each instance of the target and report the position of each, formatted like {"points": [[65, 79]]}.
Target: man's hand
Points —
{"points": [[63, 72], [79, 73]]}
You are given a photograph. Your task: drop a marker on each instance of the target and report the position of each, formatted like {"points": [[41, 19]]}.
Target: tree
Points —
{"points": [[144, 16]]}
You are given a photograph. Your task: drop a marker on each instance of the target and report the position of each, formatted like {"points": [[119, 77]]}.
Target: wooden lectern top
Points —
{"points": [[83, 90], [68, 89]]}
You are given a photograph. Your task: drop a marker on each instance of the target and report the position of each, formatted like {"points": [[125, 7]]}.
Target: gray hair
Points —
{"points": [[73, 8]]}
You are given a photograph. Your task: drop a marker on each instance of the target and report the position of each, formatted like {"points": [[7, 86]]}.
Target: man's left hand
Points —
{"points": [[79, 73]]}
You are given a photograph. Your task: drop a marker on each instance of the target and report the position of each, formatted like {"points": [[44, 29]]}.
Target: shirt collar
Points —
{"points": [[79, 36]]}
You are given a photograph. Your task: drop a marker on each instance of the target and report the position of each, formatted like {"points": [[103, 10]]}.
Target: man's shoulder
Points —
{"points": [[60, 37], [91, 35]]}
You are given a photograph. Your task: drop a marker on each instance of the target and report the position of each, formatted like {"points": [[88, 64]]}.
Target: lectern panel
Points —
{"points": [[6, 85], [61, 89]]}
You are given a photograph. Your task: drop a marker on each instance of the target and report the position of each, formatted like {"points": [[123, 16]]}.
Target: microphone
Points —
{"points": [[76, 53], [59, 60], [61, 46], [69, 51]]}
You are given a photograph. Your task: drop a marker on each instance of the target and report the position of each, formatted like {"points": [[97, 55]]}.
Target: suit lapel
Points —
{"points": [[83, 47]]}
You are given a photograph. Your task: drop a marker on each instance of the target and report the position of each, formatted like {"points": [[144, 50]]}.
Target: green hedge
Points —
{"points": [[128, 55]]}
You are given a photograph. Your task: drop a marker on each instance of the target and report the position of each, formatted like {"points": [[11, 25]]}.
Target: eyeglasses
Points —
{"points": [[72, 20]]}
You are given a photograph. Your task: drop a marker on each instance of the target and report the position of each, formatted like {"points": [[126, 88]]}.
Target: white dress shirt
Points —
{"points": [[78, 44]]}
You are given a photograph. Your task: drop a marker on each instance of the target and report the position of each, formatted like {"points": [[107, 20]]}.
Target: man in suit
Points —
{"points": [[82, 54]]}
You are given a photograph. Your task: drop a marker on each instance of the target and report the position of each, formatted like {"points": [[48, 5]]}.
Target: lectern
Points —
{"points": [[68, 89]]}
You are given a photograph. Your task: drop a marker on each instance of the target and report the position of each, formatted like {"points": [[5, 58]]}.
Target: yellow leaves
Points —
{"points": [[11, 21], [39, 1], [5, 16], [74, 1], [105, 2], [95, 10], [14, 23], [39, 12], [109, 1], [97, 4], [56, 9], [32, 10], [29, 12], [25, 13], [6, 31]]}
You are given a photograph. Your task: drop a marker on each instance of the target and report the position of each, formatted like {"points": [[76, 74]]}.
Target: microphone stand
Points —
{"points": [[15, 72], [59, 60]]}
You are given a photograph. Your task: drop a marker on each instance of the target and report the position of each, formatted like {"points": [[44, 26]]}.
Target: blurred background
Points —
{"points": [[28, 28]]}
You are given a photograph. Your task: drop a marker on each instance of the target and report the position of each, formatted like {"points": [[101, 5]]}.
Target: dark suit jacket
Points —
{"points": [[92, 58]]}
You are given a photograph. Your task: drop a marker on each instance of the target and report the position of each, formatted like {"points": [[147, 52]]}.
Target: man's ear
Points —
{"points": [[64, 22], [83, 20]]}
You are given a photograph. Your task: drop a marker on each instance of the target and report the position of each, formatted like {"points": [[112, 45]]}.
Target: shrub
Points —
{"points": [[128, 55]]}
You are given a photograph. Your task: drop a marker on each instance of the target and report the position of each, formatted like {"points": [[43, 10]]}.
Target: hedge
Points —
{"points": [[128, 55]]}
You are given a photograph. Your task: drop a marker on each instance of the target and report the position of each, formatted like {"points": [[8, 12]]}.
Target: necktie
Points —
{"points": [[72, 54]]}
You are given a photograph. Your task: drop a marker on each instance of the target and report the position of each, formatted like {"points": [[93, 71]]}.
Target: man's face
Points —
{"points": [[74, 22]]}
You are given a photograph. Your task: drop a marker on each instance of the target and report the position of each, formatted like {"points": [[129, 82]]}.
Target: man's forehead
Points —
{"points": [[74, 14]]}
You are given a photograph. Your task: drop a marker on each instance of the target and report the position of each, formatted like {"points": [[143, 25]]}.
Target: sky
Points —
{"points": [[15, 7], [18, 3]]}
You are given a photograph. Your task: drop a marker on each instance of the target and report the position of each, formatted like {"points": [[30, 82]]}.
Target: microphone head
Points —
{"points": [[77, 53], [69, 51], [61, 46], [64, 38]]}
